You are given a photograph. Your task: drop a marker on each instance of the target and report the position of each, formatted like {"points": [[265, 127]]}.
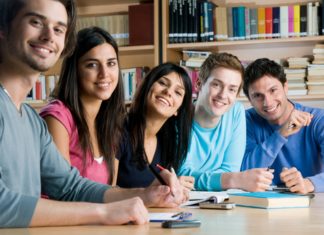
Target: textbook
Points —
{"points": [[270, 200]]}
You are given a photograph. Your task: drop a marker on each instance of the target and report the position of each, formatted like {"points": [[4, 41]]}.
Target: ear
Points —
{"points": [[285, 87], [176, 113], [198, 85]]}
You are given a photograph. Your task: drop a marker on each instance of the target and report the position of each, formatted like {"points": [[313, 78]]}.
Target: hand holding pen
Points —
{"points": [[297, 120], [165, 177]]}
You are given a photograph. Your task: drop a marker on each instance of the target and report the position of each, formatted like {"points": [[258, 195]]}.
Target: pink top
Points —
{"points": [[94, 170]]}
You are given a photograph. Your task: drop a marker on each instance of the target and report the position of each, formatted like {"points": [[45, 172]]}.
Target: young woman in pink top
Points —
{"points": [[86, 115]]}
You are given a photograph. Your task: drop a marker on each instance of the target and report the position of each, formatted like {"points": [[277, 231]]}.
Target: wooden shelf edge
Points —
{"points": [[136, 48], [203, 45], [294, 97]]}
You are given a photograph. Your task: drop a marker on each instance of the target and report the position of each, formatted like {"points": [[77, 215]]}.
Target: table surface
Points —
{"points": [[240, 220]]}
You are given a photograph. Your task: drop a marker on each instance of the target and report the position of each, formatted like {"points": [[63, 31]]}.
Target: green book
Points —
{"points": [[270, 200]]}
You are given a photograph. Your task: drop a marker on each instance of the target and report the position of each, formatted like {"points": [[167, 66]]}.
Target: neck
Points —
{"points": [[91, 108], [153, 126], [204, 119], [18, 85]]}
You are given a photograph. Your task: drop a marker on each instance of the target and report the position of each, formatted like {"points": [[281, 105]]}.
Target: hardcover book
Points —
{"points": [[270, 200]]}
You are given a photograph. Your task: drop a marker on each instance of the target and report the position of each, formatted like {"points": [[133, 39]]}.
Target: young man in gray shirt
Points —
{"points": [[33, 35]]}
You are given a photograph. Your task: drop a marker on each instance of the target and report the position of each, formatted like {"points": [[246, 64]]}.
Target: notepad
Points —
{"points": [[270, 200], [160, 217], [195, 197]]}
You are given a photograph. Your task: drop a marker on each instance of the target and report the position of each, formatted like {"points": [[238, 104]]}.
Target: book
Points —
{"points": [[270, 200], [141, 17]]}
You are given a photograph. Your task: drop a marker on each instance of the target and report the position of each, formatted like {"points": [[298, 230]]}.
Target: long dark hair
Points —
{"points": [[109, 120], [174, 134]]}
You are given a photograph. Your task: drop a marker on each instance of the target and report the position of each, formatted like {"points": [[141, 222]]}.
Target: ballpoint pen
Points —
{"points": [[158, 176]]}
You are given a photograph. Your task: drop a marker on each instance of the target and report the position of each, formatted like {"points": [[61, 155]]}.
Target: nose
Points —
{"points": [[47, 34], [266, 100], [222, 93], [167, 92], [103, 71]]}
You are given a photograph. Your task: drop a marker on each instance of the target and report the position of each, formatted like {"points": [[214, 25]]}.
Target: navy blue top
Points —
{"points": [[129, 175]]}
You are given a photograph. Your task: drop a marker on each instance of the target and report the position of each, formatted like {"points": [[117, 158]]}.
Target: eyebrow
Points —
{"points": [[231, 85], [43, 18], [178, 86]]}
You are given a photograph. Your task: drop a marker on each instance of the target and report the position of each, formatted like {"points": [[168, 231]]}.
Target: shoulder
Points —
{"points": [[60, 111], [57, 109]]}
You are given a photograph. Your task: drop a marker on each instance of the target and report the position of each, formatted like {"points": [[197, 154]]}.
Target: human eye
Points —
{"points": [[60, 30], [162, 82], [36, 22], [179, 93], [233, 90], [111, 63], [91, 65]]}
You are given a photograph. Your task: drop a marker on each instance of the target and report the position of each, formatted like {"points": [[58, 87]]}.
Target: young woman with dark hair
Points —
{"points": [[157, 128], [86, 116]]}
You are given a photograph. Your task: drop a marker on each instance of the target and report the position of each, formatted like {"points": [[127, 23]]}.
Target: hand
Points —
{"points": [[172, 195], [294, 180], [125, 211], [295, 122], [256, 180], [187, 181]]}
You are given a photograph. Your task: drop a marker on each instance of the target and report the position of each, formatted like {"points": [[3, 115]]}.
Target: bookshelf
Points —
{"points": [[247, 50], [130, 56]]}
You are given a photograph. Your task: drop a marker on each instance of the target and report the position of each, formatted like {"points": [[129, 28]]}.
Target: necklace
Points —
{"points": [[5, 90]]}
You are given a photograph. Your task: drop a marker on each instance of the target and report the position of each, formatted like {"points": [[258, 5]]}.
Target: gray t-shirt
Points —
{"points": [[30, 164]]}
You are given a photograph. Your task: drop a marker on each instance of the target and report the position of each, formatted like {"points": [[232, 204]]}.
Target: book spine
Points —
{"points": [[268, 22], [276, 22], [297, 20], [303, 20]]}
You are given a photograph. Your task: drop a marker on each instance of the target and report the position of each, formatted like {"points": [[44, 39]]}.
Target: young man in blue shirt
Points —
{"points": [[218, 135], [281, 134]]}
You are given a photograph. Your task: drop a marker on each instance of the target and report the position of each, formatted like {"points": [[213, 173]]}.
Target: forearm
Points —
{"points": [[55, 213], [117, 194], [262, 154], [231, 180]]}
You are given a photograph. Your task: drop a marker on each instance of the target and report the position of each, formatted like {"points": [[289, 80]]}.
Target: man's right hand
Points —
{"points": [[295, 122], [122, 212]]}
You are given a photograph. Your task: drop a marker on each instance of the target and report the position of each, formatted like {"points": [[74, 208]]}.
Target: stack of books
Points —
{"points": [[296, 74]]}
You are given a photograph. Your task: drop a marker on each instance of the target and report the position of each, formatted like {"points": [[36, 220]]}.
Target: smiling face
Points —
{"points": [[219, 92], [37, 35], [269, 98], [98, 71], [166, 95]]}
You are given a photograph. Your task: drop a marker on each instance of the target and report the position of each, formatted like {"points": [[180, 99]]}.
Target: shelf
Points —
{"points": [[245, 43], [295, 98]]}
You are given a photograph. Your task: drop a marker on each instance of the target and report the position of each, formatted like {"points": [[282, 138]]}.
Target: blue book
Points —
{"points": [[270, 200]]}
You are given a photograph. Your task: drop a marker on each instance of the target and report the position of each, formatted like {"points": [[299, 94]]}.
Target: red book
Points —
{"points": [[141, 23], [38, 88], [268, 22]]}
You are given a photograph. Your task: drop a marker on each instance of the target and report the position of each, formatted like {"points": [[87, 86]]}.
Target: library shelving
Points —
{"points": [[130, 56], [246, 50]]}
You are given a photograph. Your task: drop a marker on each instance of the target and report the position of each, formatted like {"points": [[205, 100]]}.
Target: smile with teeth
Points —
{"points": [[102, 84], [219, 103], [42, 49], [270, 109], [164, 101]]}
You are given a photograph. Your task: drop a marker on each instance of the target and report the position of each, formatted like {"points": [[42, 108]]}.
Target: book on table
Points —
{"points": [[270, 200]]}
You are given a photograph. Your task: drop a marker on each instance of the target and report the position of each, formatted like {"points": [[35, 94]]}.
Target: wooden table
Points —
{"points": [[241, 220]]}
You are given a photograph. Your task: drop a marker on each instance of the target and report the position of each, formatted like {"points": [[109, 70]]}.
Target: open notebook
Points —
{"points": [[195, 197]]}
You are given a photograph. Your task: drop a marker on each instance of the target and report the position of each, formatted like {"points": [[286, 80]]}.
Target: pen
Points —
{"points": [[157, 175], [182, 215]]}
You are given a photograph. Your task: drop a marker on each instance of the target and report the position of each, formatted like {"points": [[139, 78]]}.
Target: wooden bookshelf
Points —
{"points": [[246, 50]]}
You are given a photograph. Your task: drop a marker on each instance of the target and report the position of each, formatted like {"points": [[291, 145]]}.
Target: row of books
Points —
{"points": [[195, 21], [127, 27], [132, 77], [43, 88]]}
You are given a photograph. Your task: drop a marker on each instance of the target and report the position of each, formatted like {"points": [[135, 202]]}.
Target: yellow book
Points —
{"points": [[261, 22], [297, 20]]}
